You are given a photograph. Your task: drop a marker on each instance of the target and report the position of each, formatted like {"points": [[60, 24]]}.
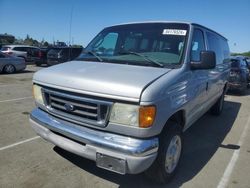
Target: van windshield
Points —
{"points": [[146, 44]]}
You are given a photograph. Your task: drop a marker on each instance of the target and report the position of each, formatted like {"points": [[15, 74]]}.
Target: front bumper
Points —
{"points": [[20, 66], [113, 152]]}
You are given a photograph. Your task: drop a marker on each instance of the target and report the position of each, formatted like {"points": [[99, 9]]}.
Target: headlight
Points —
{"points": [[133, 115], [37, 94]]}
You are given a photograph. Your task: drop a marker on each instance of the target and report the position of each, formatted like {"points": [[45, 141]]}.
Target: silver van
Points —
{"points": [[130, 95]]}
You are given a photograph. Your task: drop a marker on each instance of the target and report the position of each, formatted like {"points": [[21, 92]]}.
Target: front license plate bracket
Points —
{"points": [[111, 163]]}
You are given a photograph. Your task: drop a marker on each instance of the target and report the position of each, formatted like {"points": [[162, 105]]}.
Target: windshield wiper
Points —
{"points": [[95, 55], [152, 61]]}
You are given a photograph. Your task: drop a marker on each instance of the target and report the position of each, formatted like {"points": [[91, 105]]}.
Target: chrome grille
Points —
{"points": [[72, 107]]}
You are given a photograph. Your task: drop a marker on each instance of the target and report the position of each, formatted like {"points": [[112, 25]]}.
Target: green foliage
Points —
{"points": [[27, 41], [77, 46], [244, 54], [6, 39], [46, 43]]}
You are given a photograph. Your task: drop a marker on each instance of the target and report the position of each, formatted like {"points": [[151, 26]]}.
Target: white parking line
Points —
{"points": [[230, 167], [18, 143], [17, 99]]}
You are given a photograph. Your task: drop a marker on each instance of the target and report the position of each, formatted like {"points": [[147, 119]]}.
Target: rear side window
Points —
{"points": [[219, 46], [225, 50], [22, 49], [198, 45]]}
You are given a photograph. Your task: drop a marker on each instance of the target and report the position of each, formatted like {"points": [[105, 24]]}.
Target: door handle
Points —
{"points": [[207, 86]]}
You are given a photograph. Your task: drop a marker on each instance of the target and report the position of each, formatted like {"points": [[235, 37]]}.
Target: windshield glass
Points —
{"points": [[146, 44], [235, 63]]}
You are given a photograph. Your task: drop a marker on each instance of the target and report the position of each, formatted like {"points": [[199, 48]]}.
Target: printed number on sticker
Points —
{"points": [[174, 32]]}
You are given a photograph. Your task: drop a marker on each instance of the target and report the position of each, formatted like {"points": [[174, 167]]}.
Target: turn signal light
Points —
{"points": [[146, 116]]}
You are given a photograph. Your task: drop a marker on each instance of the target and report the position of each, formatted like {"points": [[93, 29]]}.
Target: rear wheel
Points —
{"points": [[9, 69], [218, 106], [169, 154]]}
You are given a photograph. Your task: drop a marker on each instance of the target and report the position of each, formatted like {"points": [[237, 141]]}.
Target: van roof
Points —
{"points": [[178, 22]]}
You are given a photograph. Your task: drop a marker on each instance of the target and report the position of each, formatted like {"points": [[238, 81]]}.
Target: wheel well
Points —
{"points": [[178, 117]]}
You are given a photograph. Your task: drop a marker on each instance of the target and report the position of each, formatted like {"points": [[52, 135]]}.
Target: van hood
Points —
{"points": [[117, 81]]}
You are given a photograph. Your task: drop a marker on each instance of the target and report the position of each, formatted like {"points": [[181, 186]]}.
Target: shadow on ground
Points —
{"points": [[239, 93], [201, 141], [19, 72]]}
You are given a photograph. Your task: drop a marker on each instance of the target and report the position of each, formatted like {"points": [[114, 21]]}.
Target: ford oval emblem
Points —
{"points": [[69, 107]]}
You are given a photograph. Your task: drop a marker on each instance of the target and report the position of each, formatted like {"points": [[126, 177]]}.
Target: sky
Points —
{"points": [[50, 19]]}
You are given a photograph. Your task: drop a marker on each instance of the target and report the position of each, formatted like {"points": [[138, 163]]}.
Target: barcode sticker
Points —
{"points": [[174, 32]]}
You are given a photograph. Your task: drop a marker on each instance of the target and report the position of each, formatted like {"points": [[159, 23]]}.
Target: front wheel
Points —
{"points": [[9, 69], [169, 154]]}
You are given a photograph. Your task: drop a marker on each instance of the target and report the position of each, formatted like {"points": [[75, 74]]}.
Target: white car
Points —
{"points": [[14, 50], [10, 64]]}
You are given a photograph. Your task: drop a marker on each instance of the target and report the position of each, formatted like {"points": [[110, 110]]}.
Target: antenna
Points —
{"points": [[70, 25]]}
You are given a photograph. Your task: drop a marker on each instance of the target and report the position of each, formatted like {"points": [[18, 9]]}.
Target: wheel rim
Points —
{"points": [[173, 154], [9, 68]]}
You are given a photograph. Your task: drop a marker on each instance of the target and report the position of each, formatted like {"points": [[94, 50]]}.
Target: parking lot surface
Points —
{"points": [[216, 149]]}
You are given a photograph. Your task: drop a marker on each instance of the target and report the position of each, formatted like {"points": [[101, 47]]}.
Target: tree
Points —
{"points": [[46, 43]]}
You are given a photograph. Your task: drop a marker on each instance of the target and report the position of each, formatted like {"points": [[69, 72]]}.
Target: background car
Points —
{"points": [[239, 77], [13, 50], [62, 54], [42, 56], [29, 53], [10, 64]]}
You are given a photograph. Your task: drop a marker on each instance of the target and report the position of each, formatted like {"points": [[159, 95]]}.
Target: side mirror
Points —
{"points": [[208, 61]]}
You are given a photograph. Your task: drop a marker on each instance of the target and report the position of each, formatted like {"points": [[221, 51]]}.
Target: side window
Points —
{"points": [[216, 44], [17, 49], [198, 45], [225, 51]]}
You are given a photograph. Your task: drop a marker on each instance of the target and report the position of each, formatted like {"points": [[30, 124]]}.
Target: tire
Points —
{"points": [[9, 69], [170, 147], [217, 108]]}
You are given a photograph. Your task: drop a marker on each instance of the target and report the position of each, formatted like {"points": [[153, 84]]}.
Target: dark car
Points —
{"points": [[239, 77], [62, 54], [42, 56]]}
